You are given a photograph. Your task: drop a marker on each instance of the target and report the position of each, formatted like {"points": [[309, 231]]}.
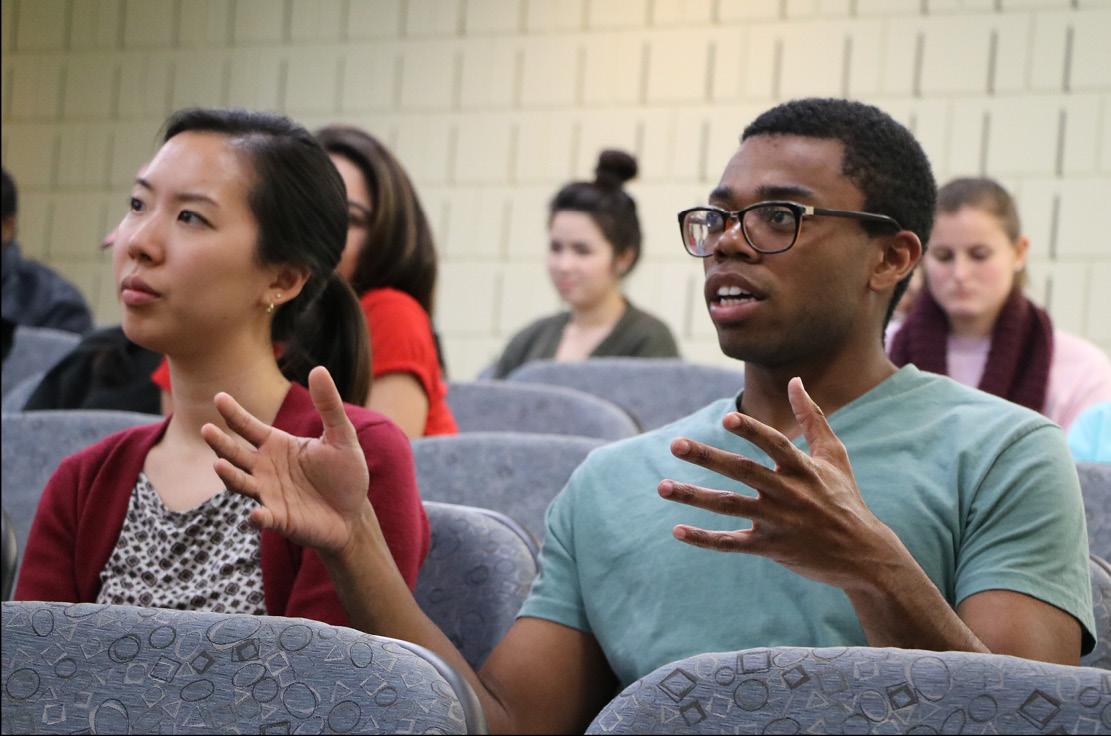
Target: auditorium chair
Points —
{"points": [[654, 391], [476, 576], [35, 350], [16, 397], [10, 549], [860, 690], [1095, 486], [1100, 571], [497, 406], [88, 668], [516, 474]]}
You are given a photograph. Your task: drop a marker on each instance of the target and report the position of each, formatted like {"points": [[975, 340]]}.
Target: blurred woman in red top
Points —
{"points": [[390, 261]]}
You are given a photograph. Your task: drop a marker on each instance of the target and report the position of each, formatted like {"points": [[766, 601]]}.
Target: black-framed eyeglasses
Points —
{"points": [[769, 227]]}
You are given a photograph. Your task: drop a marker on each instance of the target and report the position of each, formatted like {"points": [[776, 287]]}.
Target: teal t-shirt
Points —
{"points": [[981, 491]]}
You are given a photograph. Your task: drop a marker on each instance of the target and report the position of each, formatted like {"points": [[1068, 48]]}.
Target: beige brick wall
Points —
{"points": [[492, 104]]}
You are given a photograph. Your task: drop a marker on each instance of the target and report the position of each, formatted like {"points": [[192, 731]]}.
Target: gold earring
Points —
{"points": [[270, 308]]}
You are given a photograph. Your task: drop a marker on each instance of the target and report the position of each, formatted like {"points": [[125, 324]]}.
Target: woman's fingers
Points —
{"points": [[329, 404], [241, 421], [226, 447], [262, 518]]}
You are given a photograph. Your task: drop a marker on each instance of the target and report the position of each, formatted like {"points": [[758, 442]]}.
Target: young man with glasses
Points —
{"points": [[906, 511]]}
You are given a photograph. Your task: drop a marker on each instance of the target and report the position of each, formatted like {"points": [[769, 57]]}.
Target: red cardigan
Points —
{"points": [[82, 510]]}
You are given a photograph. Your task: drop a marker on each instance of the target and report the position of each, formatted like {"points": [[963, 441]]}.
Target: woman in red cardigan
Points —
{"points": [[230, 247]]}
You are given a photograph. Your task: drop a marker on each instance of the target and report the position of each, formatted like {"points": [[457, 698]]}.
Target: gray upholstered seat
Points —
{"points": [[1095, 483], [860, 690], [654, 391], [35, 442], [476, 576], [516, 474], [10, 550], [72, 668], [1101, 604], [497, 406], [35, 350], [16, 397]]}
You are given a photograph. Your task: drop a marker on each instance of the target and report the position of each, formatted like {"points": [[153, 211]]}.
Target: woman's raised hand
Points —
{"points": [[312, 490]]}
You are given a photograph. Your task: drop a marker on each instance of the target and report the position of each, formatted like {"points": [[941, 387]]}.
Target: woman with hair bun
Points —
{"points": [[229, 248], [594, 243]]}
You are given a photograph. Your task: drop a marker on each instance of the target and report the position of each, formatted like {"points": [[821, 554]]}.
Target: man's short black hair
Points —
{"points": [[882, 158], [8, 197]]}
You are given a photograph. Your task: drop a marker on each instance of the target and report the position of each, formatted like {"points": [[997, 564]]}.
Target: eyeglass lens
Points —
{"points": [[767, 228]]}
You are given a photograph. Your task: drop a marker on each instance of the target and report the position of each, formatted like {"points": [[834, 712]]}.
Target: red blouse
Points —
{"points": [[82, 509]]}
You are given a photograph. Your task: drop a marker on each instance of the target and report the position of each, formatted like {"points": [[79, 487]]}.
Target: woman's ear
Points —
{"points": [[623, 262], [1022, 250], [898, 257], [287, 282]]}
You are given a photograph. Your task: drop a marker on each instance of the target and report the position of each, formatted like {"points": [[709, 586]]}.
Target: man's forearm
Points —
{"points": [[378, 601], [899, 606]]}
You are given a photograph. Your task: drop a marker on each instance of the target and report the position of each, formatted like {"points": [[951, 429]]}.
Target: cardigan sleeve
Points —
{"points": [[396, 501], [48, 569]]}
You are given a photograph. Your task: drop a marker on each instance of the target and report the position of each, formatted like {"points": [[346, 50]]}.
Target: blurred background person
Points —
{"points": [[33, 294], [973, 323], [390, 262], [593, 244]]}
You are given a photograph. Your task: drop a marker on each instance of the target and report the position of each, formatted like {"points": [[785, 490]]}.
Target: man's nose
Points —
{"points": [[733, 243]]}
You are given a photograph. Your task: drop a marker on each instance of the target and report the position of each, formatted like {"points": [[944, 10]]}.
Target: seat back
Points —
{"points": [[516, 474], [35, 350], [16, 398], [1095, 485], [860, 690], [476, 576], [654, 391], [70, 668], [35, 442], [497, 406], [10, 551], [1100, 657]]}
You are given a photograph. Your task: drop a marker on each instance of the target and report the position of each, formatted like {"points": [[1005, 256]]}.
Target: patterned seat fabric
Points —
{"points": [[1101, 605], [861, 690], [516, 474], [476, 576], [35, 350], [1095, 484], [654, 391], [497, 406], [70, 668]]}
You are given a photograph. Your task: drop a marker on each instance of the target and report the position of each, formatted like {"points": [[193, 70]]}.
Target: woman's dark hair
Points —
{"points": [[299, 202], [399, 252], [604, 199]]}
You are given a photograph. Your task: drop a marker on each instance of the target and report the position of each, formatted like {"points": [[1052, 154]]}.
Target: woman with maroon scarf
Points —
{"points": [[974, 324]]}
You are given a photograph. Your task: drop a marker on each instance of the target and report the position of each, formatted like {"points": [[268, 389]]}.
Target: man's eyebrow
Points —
{"points": [[721, 194], [183, 197], [784, 191]]}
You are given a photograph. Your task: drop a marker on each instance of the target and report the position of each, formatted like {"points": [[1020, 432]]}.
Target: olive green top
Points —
{"points": [[636, 335]]}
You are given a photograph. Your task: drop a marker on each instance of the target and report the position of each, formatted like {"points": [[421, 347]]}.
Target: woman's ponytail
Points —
{"points": [[331, 331]]}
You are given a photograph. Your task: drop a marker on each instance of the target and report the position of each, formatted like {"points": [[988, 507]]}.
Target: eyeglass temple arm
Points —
{"points": [[868, 216]]}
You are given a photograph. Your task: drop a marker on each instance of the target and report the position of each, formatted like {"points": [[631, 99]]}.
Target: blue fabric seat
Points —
{"points": [[1095, 485], [35, 350], [16, 397], [653, 391], [476, 576], [1101, 606], [497, 406], [860, 690], [72, 668], [10, 556], [516, 474]]}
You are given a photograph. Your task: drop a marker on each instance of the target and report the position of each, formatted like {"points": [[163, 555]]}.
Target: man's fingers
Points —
{"points": [[735, 541], [236, 480], [720, 502], [815, 427], [329, 404], [773, 442], [226, 447], [731, 465], [241, 421]]}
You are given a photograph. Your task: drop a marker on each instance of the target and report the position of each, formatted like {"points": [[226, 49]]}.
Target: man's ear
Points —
{"points": [[898, 256]]}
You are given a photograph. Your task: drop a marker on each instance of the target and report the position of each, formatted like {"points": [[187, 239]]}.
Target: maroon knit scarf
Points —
{"points": [[1017, 368]]}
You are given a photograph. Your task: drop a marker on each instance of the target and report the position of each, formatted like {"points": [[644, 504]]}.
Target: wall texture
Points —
{"points": [[492, 104]]}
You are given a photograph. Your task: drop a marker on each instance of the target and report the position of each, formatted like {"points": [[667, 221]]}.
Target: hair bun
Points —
{"points": [[614, 169]]}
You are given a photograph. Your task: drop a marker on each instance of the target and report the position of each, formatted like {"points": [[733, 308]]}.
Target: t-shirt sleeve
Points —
{"points": [[556, 593], [401, 341], [1025, 529]]}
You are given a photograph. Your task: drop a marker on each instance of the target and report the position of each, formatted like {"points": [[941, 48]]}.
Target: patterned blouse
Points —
{"points": [[203, 559]]}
